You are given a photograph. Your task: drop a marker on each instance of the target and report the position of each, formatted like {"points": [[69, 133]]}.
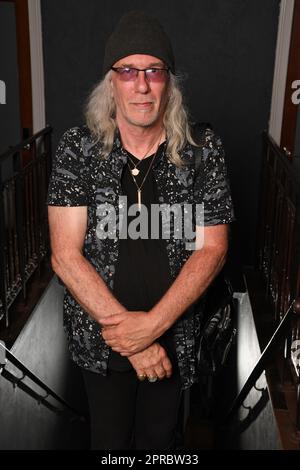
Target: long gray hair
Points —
{"points": [[100, 113]]}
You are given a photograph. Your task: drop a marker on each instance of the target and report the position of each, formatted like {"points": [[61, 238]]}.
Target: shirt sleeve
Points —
{"points": [[211, 185], [68, 183]]}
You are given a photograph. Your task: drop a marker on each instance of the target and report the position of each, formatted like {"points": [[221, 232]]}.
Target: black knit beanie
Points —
{"points": [[138, 33]]}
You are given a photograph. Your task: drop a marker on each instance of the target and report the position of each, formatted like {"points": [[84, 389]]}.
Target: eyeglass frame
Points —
{"points": [[116, 69]]}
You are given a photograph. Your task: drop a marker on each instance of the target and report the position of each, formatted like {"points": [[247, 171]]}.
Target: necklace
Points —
{"points": [[135, 171], [139, 188]]}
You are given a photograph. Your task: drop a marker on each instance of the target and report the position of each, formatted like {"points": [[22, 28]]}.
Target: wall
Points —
{"points": [[256, 428], [225, 50], [42, 348], [10, 133]]}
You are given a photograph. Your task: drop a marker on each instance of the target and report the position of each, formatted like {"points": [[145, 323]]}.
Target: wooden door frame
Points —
{"points": [[24, 65]]}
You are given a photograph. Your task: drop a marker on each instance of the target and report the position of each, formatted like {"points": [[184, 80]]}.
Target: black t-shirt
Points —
{"points": [[142, 271]]}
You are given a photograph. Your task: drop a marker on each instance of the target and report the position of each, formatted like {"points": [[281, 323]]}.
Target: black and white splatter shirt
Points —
{"points": [[81, 178]]}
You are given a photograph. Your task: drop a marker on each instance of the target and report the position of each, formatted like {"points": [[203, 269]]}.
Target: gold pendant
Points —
{"points": [[135, 171]]}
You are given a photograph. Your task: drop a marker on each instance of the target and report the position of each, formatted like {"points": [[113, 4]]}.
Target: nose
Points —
{"points": [[141, 82]]}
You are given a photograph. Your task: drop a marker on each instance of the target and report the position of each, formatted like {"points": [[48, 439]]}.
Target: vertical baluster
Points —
{"points": [[3, 287], [266, 227], [12, 234], [268, 244], [8, 267], [289, 247], [272, 224], [36, 204], [10, 258], [43, 211], [19, 219], [29, 248], [278, 247], [26, 218], [276, 241], [29, 216], [261, 214], [31, 213], [16, 251], [282, 254], [48, 168], [286, 294]]}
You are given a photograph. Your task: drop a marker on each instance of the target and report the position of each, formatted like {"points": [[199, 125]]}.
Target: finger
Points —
{"points": [[108, 327], [114, 345], [113, 340], [168, 367], [160, 372], [108, 333], [141, 374], [117, 349], [150, 372]]}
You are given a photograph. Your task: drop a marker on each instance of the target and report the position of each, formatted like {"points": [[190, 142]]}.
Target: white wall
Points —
{"points": [[257, 432], [37, 65], [281, 66], [42, 347]]}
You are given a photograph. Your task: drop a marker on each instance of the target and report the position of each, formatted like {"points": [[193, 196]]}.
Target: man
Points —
{"points": [[130, 308]]}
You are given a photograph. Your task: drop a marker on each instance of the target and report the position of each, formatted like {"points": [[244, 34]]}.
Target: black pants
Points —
{"points": [[126, 413]]}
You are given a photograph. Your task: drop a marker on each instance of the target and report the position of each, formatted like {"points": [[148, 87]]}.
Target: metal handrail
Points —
{"points": [[266, 356], [18, 381], [25, 143]]}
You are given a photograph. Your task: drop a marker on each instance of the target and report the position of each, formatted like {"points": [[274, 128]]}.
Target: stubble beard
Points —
{"points": [[143, 123]]}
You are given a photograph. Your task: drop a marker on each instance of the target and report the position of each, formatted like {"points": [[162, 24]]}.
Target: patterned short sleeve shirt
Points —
{"points": [[80, 177]]}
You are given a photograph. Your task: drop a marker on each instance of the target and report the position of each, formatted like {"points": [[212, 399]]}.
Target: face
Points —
{"points": [[140, 102]]}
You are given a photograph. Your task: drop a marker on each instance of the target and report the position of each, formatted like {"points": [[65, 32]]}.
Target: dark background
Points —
{"points": [[10, 112], [224, 48]]}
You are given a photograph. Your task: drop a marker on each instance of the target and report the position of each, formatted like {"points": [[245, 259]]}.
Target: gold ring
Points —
{"points": [[141, 376], [152, 379]]}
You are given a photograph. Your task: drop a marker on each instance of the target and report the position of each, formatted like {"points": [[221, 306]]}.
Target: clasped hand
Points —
{"points": [[128, 332]]}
